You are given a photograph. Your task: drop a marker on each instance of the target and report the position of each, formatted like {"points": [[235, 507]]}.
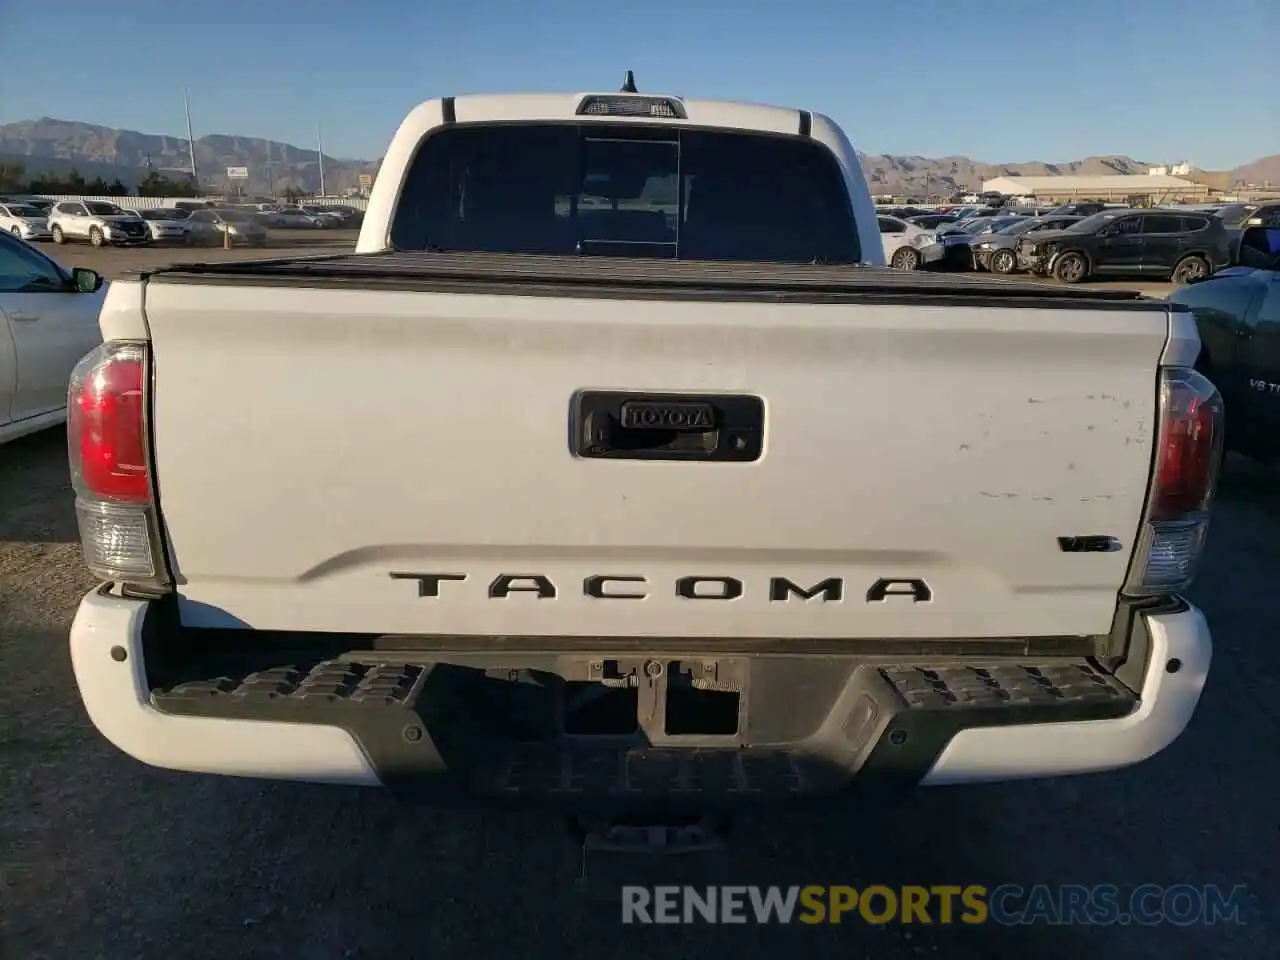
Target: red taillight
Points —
{"points": [[1188, 453], [107, 445], [1190, 446], [106, 427]]}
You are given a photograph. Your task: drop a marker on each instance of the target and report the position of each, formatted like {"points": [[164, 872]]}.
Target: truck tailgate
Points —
{"points": [[324, 455]]}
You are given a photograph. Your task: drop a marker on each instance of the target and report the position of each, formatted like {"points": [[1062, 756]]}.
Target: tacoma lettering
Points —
{"points": [[506, 584], [831, 589], [616, 586], [721, 588], [594, 586], [429, 583]]}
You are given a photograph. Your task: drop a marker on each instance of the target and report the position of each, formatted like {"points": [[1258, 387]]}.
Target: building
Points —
{"points": [[1151, 188]]}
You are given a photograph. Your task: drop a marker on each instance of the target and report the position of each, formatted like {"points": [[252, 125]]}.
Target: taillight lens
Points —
{"points": [[105, 422], [110, 472], [1183, 482], [1190, 445]]}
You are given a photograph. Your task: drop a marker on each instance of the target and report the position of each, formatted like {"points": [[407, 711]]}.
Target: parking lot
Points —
{"points": [[105, 857], [113, 261]]}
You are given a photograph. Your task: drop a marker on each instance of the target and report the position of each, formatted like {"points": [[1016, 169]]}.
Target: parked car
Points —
{"points": [[907, 246], [1161, 244], [289, 218], [1237, 217], [966, 230], [348, 218], [324, 216], [788, 523], [97, 221], [958, 239], [1083, 209], [167, 224], [24, 221], [966, 214], [1251, 214], [48, 321], [211, 228], [1237, 312], [933, 221], [902, 213], [191, 206], [997, 251]]}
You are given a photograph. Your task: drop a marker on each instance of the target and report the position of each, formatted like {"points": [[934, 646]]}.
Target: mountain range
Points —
{"points": [[57, 146]]}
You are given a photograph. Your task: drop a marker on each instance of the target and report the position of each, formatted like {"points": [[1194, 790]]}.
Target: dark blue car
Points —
{"points": [[958, 238]]}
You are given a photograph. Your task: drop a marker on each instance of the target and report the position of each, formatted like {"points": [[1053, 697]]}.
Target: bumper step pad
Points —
{"points": [[963, 687], [423, 726]]}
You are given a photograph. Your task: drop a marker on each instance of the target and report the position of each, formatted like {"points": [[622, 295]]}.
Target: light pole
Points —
{"points": [[320, 159], [191, 141]]}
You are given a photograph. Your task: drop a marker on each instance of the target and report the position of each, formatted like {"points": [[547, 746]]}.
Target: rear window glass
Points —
{"points": [[625, 190]]}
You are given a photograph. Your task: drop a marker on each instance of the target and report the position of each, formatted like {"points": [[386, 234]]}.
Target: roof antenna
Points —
{"points": [[629, 83]]}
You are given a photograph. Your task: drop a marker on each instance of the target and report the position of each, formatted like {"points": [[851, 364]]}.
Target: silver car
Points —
{"points": [[167, 225], [212, 228], [291, 218], [97, 221], [998, 252], [24, 221]]}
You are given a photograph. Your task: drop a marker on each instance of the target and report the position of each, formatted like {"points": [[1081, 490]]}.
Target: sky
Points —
{"points": [[995, 80]]}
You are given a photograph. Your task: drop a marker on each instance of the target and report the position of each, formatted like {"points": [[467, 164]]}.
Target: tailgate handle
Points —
{"points": [[624, 425]]}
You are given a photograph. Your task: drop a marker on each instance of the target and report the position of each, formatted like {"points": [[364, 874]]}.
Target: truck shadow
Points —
{"points": [[373, 877], [35, 490]]}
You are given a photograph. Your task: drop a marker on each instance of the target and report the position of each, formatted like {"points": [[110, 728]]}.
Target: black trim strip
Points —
{"points": [[641, 272], [673, 292], [806, 123], [449, 109]]}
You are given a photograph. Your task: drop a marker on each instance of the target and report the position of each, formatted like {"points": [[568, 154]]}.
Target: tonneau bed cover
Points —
{"points": [[639, 277]]}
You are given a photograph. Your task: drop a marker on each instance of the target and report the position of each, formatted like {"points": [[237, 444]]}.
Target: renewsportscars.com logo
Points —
{"points": [[1008, 905]]}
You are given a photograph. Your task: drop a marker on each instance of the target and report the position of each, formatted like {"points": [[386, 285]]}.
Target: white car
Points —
{"points": [[907, 246], [48, 321], [97, 221], [23, 221], [166, 224]]}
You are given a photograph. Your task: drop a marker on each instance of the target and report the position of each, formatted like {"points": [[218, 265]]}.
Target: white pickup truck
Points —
{"points": [[615, 470]]}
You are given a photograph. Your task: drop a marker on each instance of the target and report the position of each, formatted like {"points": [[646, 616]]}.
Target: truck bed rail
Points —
{"points": [[641, 278]]}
